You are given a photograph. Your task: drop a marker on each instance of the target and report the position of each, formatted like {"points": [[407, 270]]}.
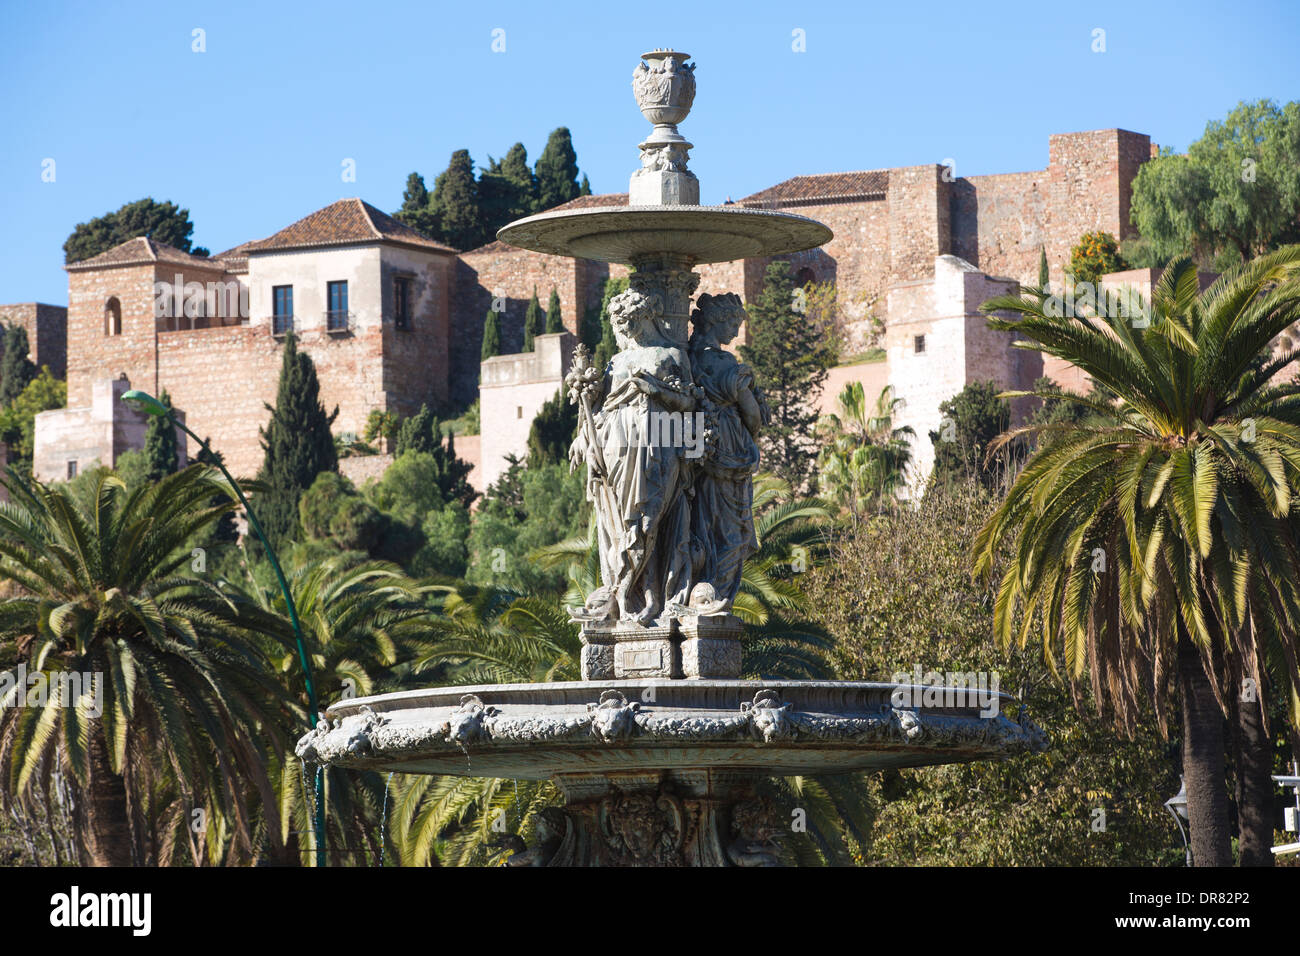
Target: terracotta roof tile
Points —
{"points": [[821, 189], [590, 202], [340, 223], [141, 251]]}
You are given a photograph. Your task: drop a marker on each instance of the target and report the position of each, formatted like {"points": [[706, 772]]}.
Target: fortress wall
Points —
{"points": [[512, 392], [47, 333], [920, 225], [1090, 178], [93, 355], [874, 376], [415, 360], [1000, 223]]}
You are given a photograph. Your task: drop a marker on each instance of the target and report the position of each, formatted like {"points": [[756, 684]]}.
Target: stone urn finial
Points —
{"points": [[664, 86]]}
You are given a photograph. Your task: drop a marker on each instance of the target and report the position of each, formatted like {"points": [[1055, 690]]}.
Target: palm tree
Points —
{"points": [[1155, 540], [362, 623], [485, 635], [183, 692], [864, 458]]}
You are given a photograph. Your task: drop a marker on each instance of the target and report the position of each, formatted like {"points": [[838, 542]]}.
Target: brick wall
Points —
{"points": [[47, 333], [499, 269], [415, 359], [1000, 222], [94, 355], [1090, 178]]}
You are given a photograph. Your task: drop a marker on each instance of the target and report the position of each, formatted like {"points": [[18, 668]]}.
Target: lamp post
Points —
{"points": [[144, 402], [1177, 807]]}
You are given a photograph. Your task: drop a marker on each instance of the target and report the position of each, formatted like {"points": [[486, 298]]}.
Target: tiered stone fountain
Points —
{"points": [[659, 749]]}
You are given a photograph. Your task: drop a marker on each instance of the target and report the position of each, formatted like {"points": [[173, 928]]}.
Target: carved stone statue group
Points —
{"points": [[668, 434]]}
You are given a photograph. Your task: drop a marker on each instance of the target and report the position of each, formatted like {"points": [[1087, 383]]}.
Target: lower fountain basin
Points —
{"points": [[700, 233], [542, 731]]}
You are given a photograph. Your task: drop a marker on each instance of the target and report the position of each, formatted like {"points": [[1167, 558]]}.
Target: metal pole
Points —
{"points": [[319, 820]]}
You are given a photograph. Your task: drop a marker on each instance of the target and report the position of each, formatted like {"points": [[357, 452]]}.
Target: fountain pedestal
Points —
{"points": [[700, 646], [661, 819]]}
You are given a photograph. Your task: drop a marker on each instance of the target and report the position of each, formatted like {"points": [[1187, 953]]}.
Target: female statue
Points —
{"points": [[636, 480], [722, 513]]}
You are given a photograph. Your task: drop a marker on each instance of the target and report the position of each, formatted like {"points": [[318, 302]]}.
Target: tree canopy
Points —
{"points": [[465, 211], [162, 221], [1235, 194]]}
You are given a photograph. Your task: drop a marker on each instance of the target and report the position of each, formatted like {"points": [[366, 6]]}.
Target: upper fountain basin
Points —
{"points": [[701, 234]]}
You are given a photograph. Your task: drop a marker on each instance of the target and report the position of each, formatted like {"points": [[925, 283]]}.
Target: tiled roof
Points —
{"points": [[236, 257], [590, 202], [822, 189], [142, 251], [345, 222]]}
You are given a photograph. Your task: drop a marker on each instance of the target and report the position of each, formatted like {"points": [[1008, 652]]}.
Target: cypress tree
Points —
{"points": [[534, 321], [589, 332], [557, 171], [297, 442], [453, 473], [491, 336], [515, 168], [417, 211], [552, 432], [1043, 276], [789, 356], [507, 190], [585, 188], [456, 203], [554, 321], [417, 433], [607, 344], [160, 447], [16, 369], [224, 531]]}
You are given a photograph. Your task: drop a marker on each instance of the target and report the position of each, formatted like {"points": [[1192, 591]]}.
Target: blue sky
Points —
{"points": [[251, 134]]}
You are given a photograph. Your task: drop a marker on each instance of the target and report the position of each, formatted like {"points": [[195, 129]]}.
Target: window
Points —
{"points": [[918, 344], [281, 309], [113, 317], [72, 469], [336, 315], [402, 302], [519, 411]]}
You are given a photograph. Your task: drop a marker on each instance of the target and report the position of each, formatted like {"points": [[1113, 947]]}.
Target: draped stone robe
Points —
{"points": [[722, 512], [642, 510]]}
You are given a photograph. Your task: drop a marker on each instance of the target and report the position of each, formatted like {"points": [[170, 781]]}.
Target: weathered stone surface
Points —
{"points": [[711, 646], [663, 187], [536, 731]]}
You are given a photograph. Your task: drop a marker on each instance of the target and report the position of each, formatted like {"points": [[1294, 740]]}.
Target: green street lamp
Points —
{"points": [[144, 402]]}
